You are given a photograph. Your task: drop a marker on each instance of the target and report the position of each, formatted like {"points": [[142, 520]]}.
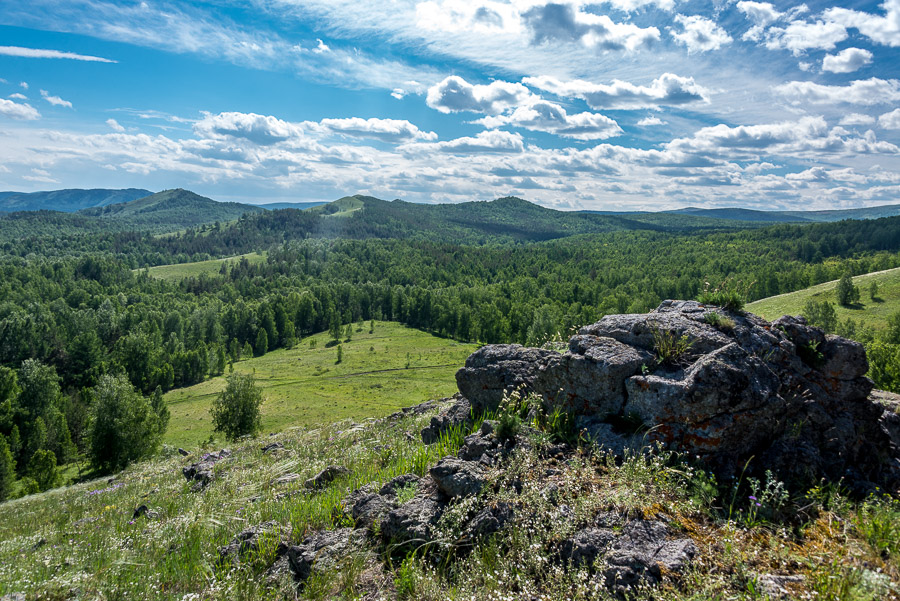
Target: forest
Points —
{"points": [[82, 319]]}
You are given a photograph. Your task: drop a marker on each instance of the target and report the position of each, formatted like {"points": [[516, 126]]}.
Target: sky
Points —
{"points": [[613, 105]]}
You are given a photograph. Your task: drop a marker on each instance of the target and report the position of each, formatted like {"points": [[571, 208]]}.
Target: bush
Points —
{"points": [[42, 468], [235, 411], [728, 295], [820, 314], [847, 293], [125, 427]]}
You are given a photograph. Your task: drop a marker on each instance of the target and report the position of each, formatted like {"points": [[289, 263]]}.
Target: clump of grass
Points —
{"points": [[719, 321], [669, 347], [729, 295]]}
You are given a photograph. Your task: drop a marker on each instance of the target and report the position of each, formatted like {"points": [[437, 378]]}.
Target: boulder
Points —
{"points": [[326, 477], [323, 550], [411, 524], [489, 520], [457, 478], [458, 414], [495, 370], [251, 539], [202, 473]]}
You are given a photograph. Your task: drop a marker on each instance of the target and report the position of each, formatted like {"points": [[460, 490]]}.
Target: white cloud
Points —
{"points": [[650, 121], [23, 85], [761, 13], [386, 130], [864, 92], [699, 34], [455, 94], [857, 119], [263, 130], [550, 117], [21, 112], [666, 90], [44, 53], [18, 96], [114, 125], [883, 30], [800, 36], [567, 22], [55, 100], [464, 15], [847, 60], [890, 120], [491, 141]]}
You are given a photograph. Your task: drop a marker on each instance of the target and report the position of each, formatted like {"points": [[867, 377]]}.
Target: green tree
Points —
{"points": [[335, 327], [42, 469], [246, 351], [820, 314], [340, 353], [262, 343], [160, 408], [873, 291], [892, 334], [7, 470], [348, 333], [236, 411], [125, 427], [884, 365], [846, 292]]}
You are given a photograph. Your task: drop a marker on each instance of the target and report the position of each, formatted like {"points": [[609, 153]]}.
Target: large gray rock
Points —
{"points": [[202, 473], [643, 552], [782, 393], [323, 550]]}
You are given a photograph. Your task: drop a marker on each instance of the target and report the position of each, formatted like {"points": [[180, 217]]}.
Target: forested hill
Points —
{"points": [[66, 201], [171, 208]]}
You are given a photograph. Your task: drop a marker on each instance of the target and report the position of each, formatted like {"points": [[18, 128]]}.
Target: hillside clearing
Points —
{"points": [[868, 312], [391, 368], [179, 271]]}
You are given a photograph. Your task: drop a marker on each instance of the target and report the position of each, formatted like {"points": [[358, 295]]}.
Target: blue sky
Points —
{"points": [[622, 104]]}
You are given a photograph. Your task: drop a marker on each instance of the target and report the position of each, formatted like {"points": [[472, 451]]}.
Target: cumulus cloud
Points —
{"points": [[23, 85], [491, 141], [864, 92], [883, 30], [386, 130], [890, 120], [55, 100], [464, 15], [760, 13], [454, 94], [800, 36], [847, 60], [650, 121], [114, 125], [44, 53], [857, 119], [21, 112], [567, 22], [263, 130], [666, 90], [805, 136], [18, 96], [699, 34], [552, 118]]}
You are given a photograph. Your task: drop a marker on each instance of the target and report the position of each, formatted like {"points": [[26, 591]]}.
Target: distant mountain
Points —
{"points": [[66, 201], [738, 214], [171, 209], [302, 206]]}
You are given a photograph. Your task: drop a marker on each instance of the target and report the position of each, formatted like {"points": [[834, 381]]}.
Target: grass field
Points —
{"points": [[180, 271], [391, 368], [868, 312]]}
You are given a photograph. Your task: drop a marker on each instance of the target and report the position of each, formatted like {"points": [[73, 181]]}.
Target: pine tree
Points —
{"points": [[7, 470]]}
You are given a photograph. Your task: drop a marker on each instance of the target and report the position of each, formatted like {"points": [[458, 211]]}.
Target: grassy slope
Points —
{"points": [[304, 386], [180, 271], [869, 313]]}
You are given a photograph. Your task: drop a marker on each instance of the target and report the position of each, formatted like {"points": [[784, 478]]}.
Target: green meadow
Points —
{"points": [[868, 312], [179, 271], [392, 367]]}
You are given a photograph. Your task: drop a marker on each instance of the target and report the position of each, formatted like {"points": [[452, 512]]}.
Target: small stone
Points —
{"points": [[182, 452], [457, 478], [326, 476]]}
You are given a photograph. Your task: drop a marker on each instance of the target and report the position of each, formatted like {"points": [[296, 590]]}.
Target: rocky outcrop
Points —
{"points": [[202, 473], [723, 385]]}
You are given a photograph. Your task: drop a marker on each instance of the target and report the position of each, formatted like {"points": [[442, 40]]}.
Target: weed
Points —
{"points": [[719, 321], [878, 522]]}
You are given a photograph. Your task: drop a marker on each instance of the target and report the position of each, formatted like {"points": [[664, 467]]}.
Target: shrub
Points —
{"points": [[728, 295], [125, 427], [670, 347], [42, 468], [235, 411], [847, 293], [820, 314]]}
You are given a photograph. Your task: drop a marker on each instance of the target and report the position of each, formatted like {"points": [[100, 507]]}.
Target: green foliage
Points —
{"points": [[42, 469], [160, 408], [125, 427], [878, 521], [892, 334], [820, 314], [884, 365], [669, 347], [7, 470], [262, 343], [730, 295], [235, 411], [340, 354], [873, 291], [847, 294]]}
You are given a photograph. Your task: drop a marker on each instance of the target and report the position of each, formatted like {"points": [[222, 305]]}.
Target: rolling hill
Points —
{"points": [[867, 312], [301, 206], [179, 208], [66, 201]]}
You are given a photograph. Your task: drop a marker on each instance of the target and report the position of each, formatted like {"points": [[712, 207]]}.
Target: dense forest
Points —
{"points": [[80, 316]]}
